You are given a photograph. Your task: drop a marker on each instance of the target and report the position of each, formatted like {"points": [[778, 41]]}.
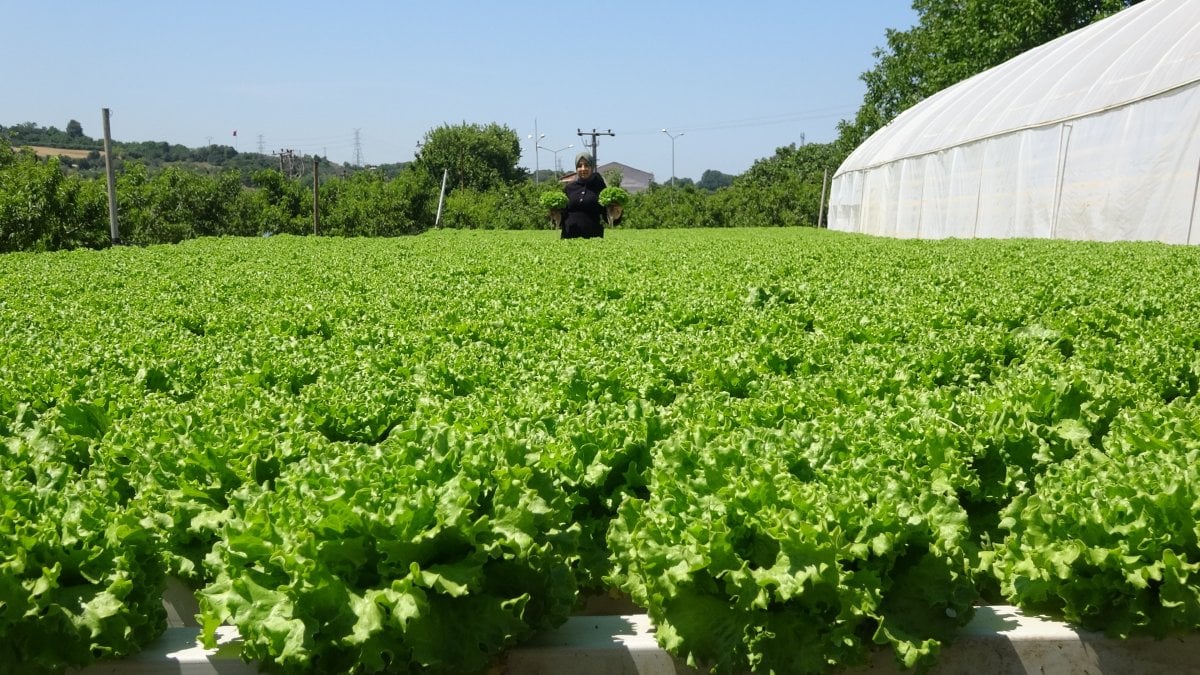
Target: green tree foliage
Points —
{"points": [[28, 133], [714, 180], [953, 40], [46, 207], [666, 206], [155, 150], [41, 208], [279, 205], [177, 205], [779, 191], [476, 156], [156, 155], [367, 204], [509, 207]]}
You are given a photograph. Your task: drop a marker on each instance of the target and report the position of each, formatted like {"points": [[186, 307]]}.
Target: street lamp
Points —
{"points": [[556, 168], [673, 137], [536, 168]]}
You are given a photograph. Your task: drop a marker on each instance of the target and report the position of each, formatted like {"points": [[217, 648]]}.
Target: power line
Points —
{"points": [[769, 120], [595, 140]]}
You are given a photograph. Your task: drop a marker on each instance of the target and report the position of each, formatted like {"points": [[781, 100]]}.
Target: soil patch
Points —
{"points": [[44, 151]]}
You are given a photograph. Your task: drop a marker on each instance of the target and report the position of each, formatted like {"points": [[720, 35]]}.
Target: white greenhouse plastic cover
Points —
{"points": [[1095, 135]]}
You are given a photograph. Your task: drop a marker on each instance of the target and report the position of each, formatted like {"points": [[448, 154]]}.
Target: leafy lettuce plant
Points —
{"points": [[1109, 539], [431, 551], [748, 558], [81, 576], [614, 195], [553, 200]]}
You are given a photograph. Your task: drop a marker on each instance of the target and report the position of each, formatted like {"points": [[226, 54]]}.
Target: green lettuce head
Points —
{"points": [[553, 200]]}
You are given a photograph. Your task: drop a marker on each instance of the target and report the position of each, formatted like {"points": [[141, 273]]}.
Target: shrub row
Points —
{"points": [[43, 207]]}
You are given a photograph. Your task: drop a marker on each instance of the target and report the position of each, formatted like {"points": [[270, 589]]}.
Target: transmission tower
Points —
{"points": [[357, 147]]}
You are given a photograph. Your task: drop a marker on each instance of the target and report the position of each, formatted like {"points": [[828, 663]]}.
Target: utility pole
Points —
{"points": [[537, 138], [112, 183], [316, 199], [673, 137], [441, 198], [595, 141], [288, 154]]}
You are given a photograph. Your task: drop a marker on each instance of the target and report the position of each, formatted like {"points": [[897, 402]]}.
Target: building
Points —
{"points": [[633, 180]]}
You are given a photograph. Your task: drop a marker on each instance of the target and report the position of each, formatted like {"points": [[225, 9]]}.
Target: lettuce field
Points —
{"points": [[789, 446]]}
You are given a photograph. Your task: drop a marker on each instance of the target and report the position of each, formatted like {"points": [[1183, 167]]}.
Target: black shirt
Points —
{"points": [[585, 216]]}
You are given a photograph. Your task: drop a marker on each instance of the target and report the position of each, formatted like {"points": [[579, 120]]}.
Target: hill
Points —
{"points": [[82, 154]]}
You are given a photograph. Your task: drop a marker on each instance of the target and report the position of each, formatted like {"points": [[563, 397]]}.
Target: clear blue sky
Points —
{"points": [[738, 79]]}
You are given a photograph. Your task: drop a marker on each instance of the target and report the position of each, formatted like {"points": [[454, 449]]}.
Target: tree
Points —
{"points": [[953, 40], [42, 209], [367, 204], [714, 180], [477, 157], [779, 191], [74, 129]]}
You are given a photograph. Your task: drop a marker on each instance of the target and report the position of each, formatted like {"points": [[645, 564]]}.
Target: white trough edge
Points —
{"points": [[999, 640]]}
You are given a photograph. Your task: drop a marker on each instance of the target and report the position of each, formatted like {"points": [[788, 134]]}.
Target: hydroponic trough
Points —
{"points": [[1000, 640]]}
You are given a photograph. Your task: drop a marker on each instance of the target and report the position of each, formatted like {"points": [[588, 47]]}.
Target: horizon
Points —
{"points": [[362, 84]]}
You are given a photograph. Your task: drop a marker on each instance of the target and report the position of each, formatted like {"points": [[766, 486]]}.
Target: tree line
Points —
{"points": [[43, 207], [167, 193]]}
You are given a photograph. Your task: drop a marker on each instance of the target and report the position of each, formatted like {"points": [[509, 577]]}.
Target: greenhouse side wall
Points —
{"points": [[1127, 173]]}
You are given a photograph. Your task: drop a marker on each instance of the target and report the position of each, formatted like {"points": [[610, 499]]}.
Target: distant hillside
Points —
{"points": [[81, 153]]}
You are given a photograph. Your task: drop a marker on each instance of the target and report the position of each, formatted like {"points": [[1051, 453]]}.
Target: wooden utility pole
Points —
{"points": [[316, 199], [114, 229]]}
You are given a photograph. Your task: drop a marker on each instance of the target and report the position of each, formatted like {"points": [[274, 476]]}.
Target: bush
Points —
{"points": [[43, 209], [367, 205], [668, 207], [513, 207], [176, 205]]}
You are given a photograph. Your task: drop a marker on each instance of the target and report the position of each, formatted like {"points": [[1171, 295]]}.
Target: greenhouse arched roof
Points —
{"points": [[1065, 134]]}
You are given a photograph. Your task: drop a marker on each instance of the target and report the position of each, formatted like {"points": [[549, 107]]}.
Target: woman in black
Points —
{"points": [[585, 216]]}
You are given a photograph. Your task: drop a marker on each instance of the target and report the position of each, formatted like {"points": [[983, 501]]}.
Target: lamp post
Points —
{"points": [[673, 137], [556, 169], [537, 140]]}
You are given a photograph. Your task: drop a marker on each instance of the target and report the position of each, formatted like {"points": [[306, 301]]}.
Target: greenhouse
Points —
{"points": [[1093, 136]]}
